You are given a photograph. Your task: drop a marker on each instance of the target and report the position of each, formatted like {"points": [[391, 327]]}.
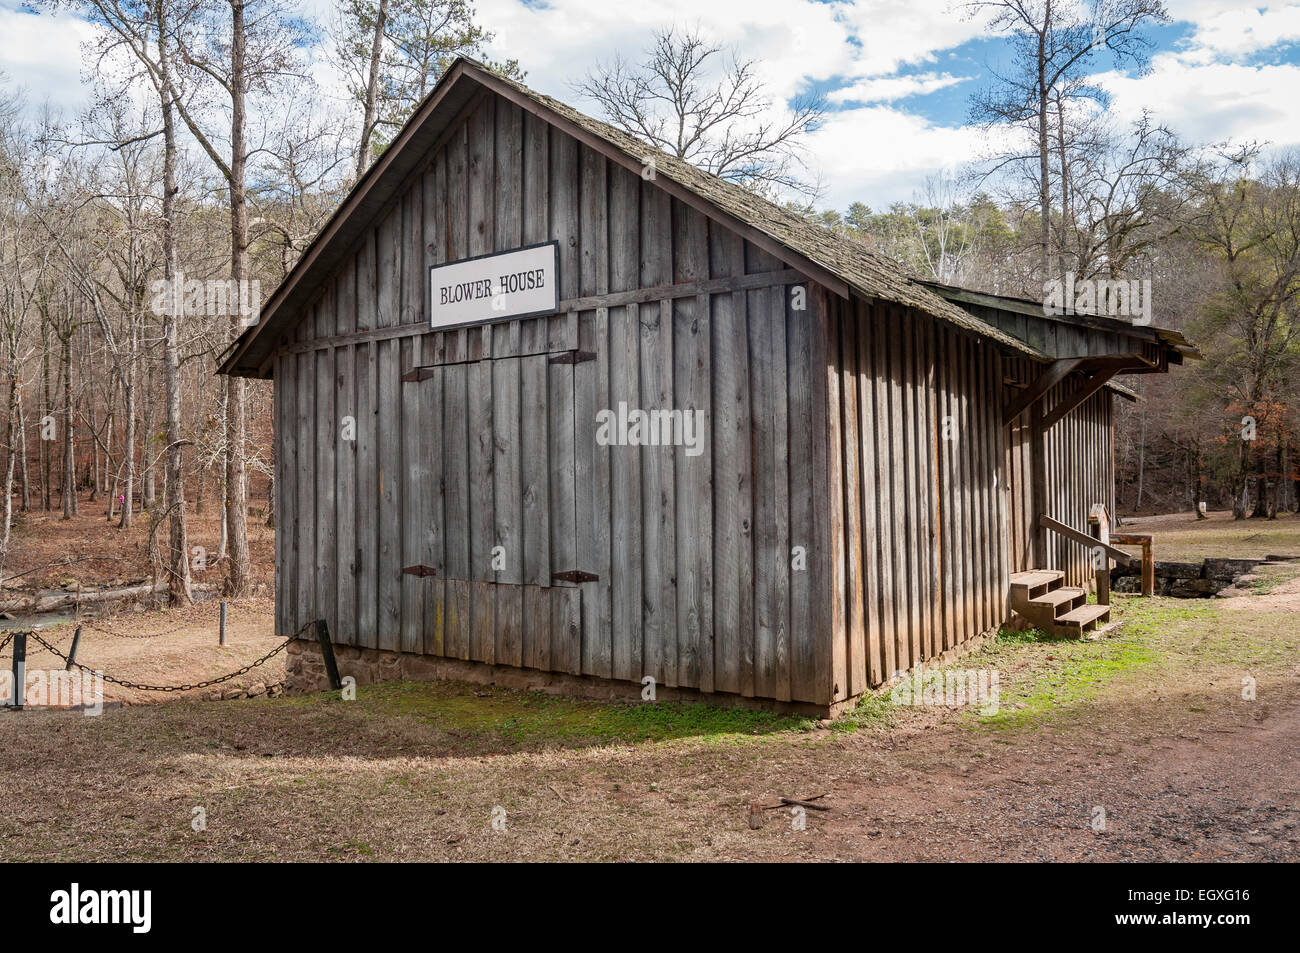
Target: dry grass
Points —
{"points": [[1149, 724], [1181, 537]]}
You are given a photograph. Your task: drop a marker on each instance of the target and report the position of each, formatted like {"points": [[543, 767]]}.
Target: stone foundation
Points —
{"points": [[1201, 580], [305, 673]]}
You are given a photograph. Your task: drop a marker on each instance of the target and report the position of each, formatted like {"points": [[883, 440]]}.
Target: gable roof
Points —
{"points": [[836, 262]]}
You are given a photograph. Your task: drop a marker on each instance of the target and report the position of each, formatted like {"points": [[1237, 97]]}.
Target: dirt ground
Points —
{"points": [[168, 647], [1149, 727], [50, 552], [1176, 738]]}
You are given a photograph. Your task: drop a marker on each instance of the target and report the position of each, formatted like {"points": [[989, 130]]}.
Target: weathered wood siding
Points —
{"points": [[1080, 471], [497, 446], [855, 511], [920, 561]]}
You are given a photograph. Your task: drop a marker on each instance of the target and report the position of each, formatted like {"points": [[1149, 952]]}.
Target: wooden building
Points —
{"points": [[875, 452]]}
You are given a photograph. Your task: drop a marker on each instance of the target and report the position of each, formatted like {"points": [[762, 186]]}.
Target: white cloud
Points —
{"points": [[1213, 101], [869, 150], [890, 88], [1225, 30], [879, 154], [42, 54], [793, 41], [897, 33]]}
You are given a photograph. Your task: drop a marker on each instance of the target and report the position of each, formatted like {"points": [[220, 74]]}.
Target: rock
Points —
{"points": [[1193, 588], [257, 688], [1232, 592], [1178, 570], [1127, 584], [1228, 568], [1247, 579], [230, 693]]}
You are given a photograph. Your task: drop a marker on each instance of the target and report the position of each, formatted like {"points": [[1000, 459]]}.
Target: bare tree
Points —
{"points": [[1052, 42], [692, 100]]}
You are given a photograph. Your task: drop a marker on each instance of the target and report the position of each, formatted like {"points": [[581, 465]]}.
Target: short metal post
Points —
{"points": [[72, 652], [221, 639], [20, 669], [327, 653]]}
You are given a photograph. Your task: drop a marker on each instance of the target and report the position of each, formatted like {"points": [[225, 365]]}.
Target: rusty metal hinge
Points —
{"points": [[575, 575], [419, 570], [572, 357]]}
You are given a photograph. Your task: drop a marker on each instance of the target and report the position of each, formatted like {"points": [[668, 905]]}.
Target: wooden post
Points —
{"points": [[1038, 484], [327, 653], [1148, 569], [1148, 561], [1099, 526], [72, 652], [20, 669], [221, 638]]}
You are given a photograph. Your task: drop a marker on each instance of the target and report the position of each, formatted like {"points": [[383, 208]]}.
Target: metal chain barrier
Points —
{"points": [[93, 627], [87, 624], [207, 683]]}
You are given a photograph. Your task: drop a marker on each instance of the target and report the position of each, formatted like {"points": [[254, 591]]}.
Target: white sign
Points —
{"points": [[512, 284]]}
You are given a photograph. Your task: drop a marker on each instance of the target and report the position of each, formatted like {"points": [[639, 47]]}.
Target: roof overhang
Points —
{"points": [[1176, 345]]}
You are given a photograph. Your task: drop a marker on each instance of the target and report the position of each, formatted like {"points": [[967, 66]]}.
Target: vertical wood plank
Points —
{"points": [[625, 462], [692, 370], [733, 542], [800, 428]]}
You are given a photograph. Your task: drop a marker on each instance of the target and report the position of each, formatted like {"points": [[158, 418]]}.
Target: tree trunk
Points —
{"points": [[236, 464], [47, 503], [22, 451], [127, 498], [1044, 185], [372, 89], [69, 446], [178, 562], [14, 415]]}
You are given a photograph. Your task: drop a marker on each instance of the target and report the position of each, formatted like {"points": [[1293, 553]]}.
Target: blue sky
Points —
{"points": [[898, 74]]}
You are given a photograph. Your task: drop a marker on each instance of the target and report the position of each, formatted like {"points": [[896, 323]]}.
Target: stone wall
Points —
{"points": [[1203, 580]]}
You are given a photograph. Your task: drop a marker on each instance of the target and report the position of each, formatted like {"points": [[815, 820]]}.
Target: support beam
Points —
{"points": [[1056, 372], [1066, 404]]}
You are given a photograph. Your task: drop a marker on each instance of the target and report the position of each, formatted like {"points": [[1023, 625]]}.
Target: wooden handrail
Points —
{"points": [[1083, 539]]}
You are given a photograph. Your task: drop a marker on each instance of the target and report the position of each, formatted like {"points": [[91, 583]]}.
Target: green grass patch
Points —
{"points": [[518, 720], [875, 710], [1061, 674]]}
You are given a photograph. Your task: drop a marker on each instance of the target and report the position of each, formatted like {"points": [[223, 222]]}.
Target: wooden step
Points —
{"points": [[1056, 598], [1035, 582], [1084, 618]]}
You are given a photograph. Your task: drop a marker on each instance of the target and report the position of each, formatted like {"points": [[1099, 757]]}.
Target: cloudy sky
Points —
{"points": [[897, 74]]}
